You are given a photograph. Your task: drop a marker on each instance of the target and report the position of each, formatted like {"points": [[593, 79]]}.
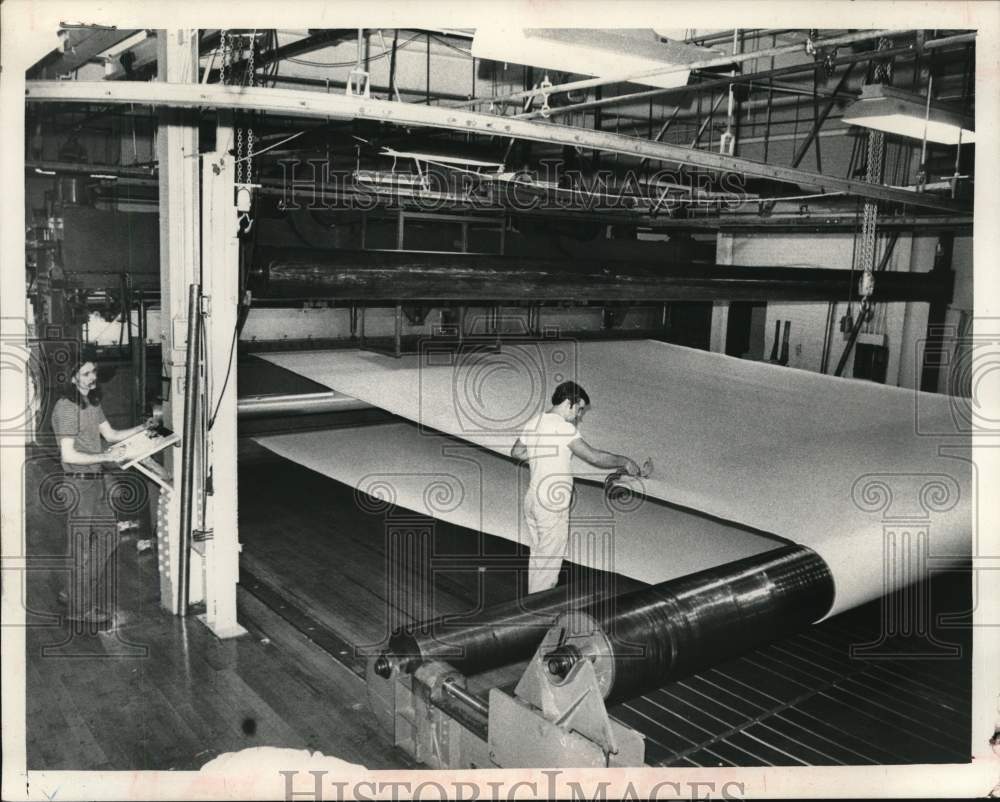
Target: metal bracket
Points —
{"points": [[545, 85], [565, 684], [358, 83]]}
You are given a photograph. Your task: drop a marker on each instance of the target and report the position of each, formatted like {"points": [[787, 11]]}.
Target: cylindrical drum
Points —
{"points": [[495, 636], [655, 635]]}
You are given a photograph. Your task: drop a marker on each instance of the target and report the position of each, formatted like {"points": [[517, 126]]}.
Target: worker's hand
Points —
{"points": [[149, 427], [630, 467]]}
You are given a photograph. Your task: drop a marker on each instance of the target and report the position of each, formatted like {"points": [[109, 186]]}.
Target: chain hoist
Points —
{"points": [[244, 134], [252, 80], [883, 71], [224, 71], [873, 175], [869, 222], [545, 86]]}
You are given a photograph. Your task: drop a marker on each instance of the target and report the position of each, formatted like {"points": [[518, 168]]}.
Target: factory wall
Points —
{"points": [[288, 323], [901, 326]]}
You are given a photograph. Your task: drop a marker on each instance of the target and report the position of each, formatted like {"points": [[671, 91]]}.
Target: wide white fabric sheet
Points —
{"points": [[468, 486], [843, 466]]}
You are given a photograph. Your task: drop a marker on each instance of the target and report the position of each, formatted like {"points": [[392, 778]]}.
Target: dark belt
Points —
{"points": [[83, 475]]}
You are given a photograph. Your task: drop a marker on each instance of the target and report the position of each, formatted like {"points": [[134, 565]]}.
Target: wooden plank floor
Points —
{"points": [[803, 701], [160, 692]]}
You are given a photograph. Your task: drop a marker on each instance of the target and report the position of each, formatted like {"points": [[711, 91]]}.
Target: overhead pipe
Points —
{"points": [[391, 278], [188, 441], [825, 220], [722, 36], [266, 406]]}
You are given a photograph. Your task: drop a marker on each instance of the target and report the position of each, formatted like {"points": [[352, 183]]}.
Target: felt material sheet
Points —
{"points": [[844, 466], [468, 486]]}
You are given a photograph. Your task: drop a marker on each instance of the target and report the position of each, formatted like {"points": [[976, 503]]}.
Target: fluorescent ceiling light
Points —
{"points": [[587, 51], [437, 157], [680, 34], [389, 179], [894, 111]]}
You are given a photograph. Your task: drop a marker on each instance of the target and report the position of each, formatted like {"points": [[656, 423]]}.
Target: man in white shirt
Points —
{"points": [[548, 443]]}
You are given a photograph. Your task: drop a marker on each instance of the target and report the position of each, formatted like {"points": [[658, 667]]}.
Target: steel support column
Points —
{"points": [[936, 318]]}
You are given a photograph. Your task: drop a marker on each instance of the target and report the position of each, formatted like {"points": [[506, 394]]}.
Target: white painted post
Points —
{"points": [[720, 309], [177, 152], [220, 284]]}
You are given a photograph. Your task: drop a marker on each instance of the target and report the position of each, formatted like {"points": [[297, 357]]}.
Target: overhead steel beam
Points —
{"points": [[299, 47], [81, 45], [816, 221], [140, 59], [316, 105]]}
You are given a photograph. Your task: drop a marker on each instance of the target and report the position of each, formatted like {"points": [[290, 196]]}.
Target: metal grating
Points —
{"points": [[806, 701]]}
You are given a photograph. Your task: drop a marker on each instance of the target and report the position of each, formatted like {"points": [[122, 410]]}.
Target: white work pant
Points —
{"points": [[548, 537]]}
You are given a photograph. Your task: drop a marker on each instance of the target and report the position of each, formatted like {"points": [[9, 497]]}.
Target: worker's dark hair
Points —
{"points": [[570, 391], [69, 389]]}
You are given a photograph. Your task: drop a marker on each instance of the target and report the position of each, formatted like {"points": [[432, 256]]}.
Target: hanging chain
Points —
{"points": [[869, 222], [251, 82], [244, 134], [873, 175], [883, 69], [229, 51], [224, 71]]}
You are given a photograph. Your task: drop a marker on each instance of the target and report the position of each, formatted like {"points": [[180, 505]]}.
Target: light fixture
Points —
{"points": [[894, 111], [389, 179], [443, 158], [587, 51]]}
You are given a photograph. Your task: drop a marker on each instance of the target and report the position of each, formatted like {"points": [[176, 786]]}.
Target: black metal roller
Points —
{"points": [[659, 634]]}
